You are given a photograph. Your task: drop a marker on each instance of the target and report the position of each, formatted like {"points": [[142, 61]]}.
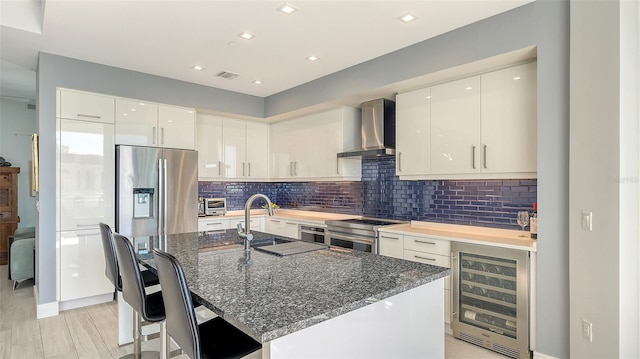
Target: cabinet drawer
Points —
{"points": [[87, 107], [6, 215], [215, 225], [5, 180], [428, 258], [390, 245], [429, 245]]}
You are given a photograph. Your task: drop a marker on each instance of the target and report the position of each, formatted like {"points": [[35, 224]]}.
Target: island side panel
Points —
{"points": [[406, 325]]}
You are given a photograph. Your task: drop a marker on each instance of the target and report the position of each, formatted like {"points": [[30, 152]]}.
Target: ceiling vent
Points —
{"points": [[227, 75]]}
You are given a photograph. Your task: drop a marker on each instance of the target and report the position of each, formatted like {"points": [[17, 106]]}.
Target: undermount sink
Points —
{"points": [[284, 247]]}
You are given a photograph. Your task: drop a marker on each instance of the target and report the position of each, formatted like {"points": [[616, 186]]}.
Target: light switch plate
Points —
{"points": [[587, 221]]}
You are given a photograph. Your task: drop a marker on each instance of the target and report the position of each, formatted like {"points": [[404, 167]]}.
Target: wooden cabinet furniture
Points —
{"points": [[155, 125], [9, 218], [306, 147], [483, 126]]}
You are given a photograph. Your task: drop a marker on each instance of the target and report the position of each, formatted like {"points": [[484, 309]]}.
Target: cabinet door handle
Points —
{"points": [[86, 225], [295, 168], [162, 135], [213, 223], [249, 173], [473, 157], [387, 237], [291, 223], [242, 169], [291, 169], [451, 302], [485, 156], [425, 258], [274, 221], [87, 234], [153, 137], [425, 242], [219, 168], [89, 116], [399, 161]]}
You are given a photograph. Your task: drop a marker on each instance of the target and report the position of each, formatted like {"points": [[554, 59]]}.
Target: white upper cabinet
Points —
{"points": [[87, 174], [244, 150], [177, 127], [136, 123], [235, 143], [455, 127], [77, 105], [257, 152], [509, 126], [148, 124], [479, 127], [306, 147], [413, 123], [209, 146]]}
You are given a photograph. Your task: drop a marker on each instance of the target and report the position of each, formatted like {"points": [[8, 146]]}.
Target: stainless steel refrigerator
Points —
{"points": [[157, 191]]}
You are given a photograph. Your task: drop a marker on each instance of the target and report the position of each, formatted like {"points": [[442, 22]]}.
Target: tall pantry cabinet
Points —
{"points": [[86, 192]]}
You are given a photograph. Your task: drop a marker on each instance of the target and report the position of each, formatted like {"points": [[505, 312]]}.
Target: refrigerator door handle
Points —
{"points": [[160, 195], [165, 195]]}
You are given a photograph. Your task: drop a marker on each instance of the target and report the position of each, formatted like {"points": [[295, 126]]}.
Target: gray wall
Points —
{"points": [[542, 23], [604, 173], [15, 118]]}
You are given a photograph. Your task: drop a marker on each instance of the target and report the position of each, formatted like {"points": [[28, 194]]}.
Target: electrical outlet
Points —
{"points": [[587, 330], [587, 220]]}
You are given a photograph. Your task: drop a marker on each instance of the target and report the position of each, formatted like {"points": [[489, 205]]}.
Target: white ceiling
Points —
{"points": [[167, 38]]}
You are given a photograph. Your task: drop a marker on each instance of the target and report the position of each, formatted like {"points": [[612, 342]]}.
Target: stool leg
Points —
{"points": [[164, 341], [137, 345]]}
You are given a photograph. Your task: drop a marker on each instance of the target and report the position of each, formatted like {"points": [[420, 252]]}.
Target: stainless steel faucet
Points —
{"points": [[246, 234]]}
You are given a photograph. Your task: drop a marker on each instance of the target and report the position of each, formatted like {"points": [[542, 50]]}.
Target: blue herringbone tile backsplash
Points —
{"points": [[488, 203]]}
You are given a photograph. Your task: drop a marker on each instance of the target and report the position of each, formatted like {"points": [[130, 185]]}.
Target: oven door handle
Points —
{"points": [[343, 237]]}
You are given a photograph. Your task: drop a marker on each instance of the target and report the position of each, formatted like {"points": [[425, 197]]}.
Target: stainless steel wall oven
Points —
{"points": [[312, 234], [491, 298]]}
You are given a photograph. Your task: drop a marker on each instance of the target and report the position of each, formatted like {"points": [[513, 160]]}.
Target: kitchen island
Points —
{"points": [[323, 303]]}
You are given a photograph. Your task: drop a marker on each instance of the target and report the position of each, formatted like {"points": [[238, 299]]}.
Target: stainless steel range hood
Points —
{"points": [[378, 130]]}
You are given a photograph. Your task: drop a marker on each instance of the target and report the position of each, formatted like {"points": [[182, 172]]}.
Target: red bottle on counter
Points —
{"points": [[533, 222]]}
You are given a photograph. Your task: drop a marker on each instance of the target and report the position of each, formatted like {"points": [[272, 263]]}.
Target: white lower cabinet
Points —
{"points": [[420, 249], [256, 223], [281, 227], [391, 245], [215, 224], [82, 265]]}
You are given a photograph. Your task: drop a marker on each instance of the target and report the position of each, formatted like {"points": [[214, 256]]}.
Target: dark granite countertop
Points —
{"points": [[275, 296]]}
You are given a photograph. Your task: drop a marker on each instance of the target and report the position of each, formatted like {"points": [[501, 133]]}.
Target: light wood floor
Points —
{"points": [[92, 332]]}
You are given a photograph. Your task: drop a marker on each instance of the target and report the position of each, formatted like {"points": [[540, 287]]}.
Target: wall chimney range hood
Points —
{"points": [[378, 130]]}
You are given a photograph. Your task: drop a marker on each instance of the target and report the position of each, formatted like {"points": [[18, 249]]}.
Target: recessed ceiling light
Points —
{"points": [[287, 9], [407, 18], [246, 35], [197, 67], [257, 82], [468, 88], [312, 58], [517, 78], [428, 97], [133, 109], [141, 104], [125, 114]]}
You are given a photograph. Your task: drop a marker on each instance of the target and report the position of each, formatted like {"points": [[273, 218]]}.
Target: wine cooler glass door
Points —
{"points": [[488, 293], [491, 298]]}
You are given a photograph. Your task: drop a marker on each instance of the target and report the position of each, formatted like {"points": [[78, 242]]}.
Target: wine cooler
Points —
{"points": [[491, 298]]}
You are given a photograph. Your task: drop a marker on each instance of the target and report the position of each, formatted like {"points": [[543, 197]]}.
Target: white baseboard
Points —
{"points": [[538, 355], [85, 302], [47, 309]]}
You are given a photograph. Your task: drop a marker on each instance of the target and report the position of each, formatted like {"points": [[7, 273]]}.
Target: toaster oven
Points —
{"points": [[215, 206]]}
